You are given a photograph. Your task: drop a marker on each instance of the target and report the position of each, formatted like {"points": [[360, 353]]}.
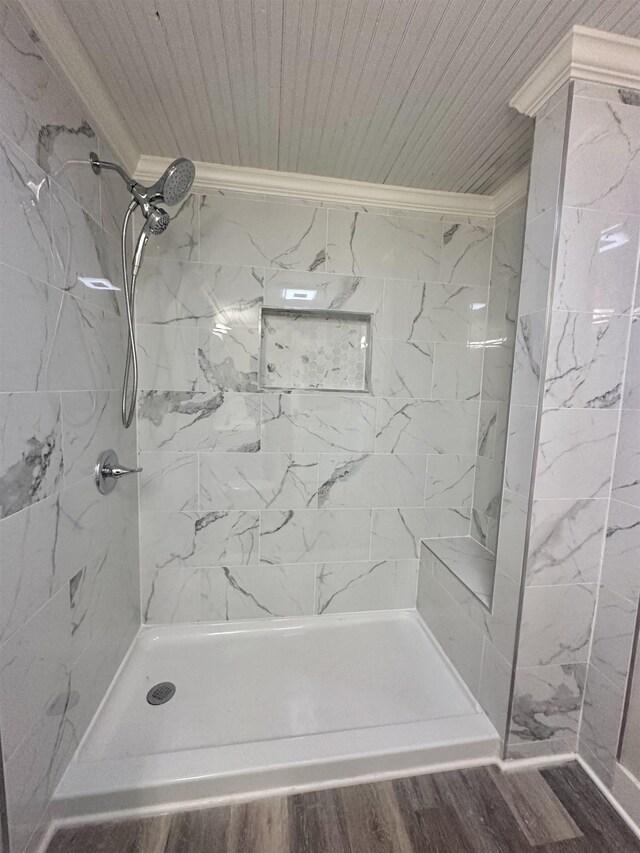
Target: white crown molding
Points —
{"points": [[55, 32], [582, 54], [239, 179]]}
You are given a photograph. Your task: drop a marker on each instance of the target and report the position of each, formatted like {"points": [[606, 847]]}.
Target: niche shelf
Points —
{"points": [[315, 350]]}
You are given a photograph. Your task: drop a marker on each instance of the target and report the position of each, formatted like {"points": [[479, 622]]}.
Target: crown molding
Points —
{"points": [[62, 44], [240, 179], [582, 54]]}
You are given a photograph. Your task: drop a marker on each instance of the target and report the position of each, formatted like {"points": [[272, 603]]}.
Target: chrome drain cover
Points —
{"points": [[161, 693]]}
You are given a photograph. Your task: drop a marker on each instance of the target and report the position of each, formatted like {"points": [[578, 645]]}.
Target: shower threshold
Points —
{"points": [[266, 707]]}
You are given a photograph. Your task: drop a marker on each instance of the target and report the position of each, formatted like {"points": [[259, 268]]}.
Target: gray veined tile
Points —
{"points": [[626, 476], [29, 311], [546, 703], [184, 421], [31, 461], [258, 480], [433, 311], [595, 269], [575, 453], [604, 144], [449, 480], [168, 481], [189, 539], [239, 231], [466, 254], [546, 159], [547, 636], [396, 532], [566, 540], [508, 238], [170, 595], [457, 371], [167, 358], [256, 592], [520, 448], [370, 480], [323, 291], [175, 293], [180, 241], [401, 368], [314, 535], [631, 397], [586, 360], [536, 264], [389, 246], [349, 587], [426, 426], [622, 544], [527, 359], [601, 717], [309, 423], [613, 635], [512, 534], [228, 359]]}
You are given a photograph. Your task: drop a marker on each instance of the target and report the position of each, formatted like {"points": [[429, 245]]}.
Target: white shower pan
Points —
{"points": [[267, 707]]}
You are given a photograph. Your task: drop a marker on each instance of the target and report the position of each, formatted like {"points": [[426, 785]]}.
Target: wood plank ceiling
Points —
{"points": [[407, 92]]}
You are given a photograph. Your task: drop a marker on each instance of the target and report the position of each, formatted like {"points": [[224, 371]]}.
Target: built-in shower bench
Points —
{"points": [[469, 561]]}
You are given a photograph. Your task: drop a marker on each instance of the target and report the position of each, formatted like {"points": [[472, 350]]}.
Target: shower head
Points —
{"points": [[175, 184], [158, 220]]}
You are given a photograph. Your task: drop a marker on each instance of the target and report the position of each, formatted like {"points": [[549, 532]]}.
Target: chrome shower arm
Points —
{"points": [[97, 164]]}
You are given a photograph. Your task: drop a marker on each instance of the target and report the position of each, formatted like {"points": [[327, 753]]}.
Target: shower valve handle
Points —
{"points": [[109, 470]]}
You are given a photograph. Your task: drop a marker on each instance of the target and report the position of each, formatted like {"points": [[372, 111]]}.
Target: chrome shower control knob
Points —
{"points": [[109, 470]]}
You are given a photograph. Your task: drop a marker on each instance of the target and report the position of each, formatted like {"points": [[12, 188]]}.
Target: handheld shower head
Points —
{"points": [[175, 184], [158, 221]]}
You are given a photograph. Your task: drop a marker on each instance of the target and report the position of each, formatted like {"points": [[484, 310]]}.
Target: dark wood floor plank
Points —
{"points": [[539, 813], [204, 831], [373, 820], [142, 835], [590, 810], [317, 823]]}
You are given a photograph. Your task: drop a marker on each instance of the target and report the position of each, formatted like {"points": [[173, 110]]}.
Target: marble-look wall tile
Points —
{"points": [[536, 264], [426, 426], [170, 595], [181, 241], [371, 480], [432, 311], [546, 703], [174, 293], [566, 540], [495, 683], [189, 539], [349, 587], [238, 231], [394, 247], [488, 487], [527, 359], [256, 592], [31, 462], [450, 480], [547, 634], [309, 423], [512, 534], [183, 421], [603, 168], [631, 396], [169, 481], [228, 359], [457, 372], [258, 480], [546, 161], [603, 705], [506, 257], [622, 545], [520, 449], [585, 364], [167, 358], [597, 254], [29, 311], [25, 237], [330, 292], [466, 253], [396, 533], [575, 453], [626, 476], [303, 536], [401, 368], [613, 636]]}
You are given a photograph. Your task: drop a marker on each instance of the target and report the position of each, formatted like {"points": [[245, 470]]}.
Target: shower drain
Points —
{"points": [[161, 693]]}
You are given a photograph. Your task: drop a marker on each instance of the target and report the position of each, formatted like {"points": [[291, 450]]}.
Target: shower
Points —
{"points": [[171, 188]]}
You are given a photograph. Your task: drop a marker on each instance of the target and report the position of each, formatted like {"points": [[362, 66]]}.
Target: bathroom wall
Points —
{"points": [[478, 641], [68, 578], [572, 355], [497, 344], [261, 504]]}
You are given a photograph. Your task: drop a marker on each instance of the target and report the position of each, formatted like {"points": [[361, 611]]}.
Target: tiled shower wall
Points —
{"points": [[576, 374], [69, 571], [279, 504]]}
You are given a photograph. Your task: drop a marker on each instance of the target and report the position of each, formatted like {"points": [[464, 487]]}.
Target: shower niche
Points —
{"points": [[315, 350]]}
